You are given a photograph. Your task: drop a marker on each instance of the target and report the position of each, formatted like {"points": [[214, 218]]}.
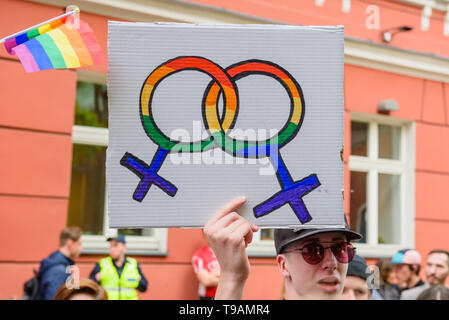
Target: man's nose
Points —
{"points": [[431, 269], [329, 261]]}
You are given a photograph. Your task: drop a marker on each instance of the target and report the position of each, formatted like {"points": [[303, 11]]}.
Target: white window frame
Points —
{"points": [[95, 244], [261, 248], [372, 165]]}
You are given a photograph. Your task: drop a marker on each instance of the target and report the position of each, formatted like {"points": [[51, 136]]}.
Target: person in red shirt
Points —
{"points": [[207, 270]]}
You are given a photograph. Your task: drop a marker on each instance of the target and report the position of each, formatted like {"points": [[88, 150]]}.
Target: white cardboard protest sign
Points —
{"points": [[200, 114]]}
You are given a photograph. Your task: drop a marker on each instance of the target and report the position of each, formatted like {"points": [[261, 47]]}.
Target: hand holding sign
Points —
{"points": [[228, 235]]}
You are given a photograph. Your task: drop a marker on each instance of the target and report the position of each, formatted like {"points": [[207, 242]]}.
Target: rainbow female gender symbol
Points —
{"points": [[224, 81]]}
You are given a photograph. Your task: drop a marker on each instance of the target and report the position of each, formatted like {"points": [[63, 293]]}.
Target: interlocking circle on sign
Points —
{"points": [[224, 81]]}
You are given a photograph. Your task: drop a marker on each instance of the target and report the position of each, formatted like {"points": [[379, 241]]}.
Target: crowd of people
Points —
{"points": [[116, 277], [309, 270]]}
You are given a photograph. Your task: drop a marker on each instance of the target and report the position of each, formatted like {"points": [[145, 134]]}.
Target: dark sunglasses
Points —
{"points": [[313, 252]]}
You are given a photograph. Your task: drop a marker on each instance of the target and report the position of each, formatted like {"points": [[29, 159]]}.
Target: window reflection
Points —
{"points": [[87, 188], [359, 138], [91, 106], [389, 208], [389, 142], [358, 213], [267, 234]]}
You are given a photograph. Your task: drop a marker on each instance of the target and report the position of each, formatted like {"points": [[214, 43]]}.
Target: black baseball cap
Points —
{"points": [[283, 237], [357, 268], [119, 238]]}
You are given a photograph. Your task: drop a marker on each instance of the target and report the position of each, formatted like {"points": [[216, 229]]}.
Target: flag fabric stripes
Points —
{"points": [[14, 42], [62, 46]]}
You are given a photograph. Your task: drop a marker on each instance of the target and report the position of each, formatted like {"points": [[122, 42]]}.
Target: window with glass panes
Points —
{"points": [[382, 180], [87, 202], [262, 244]]}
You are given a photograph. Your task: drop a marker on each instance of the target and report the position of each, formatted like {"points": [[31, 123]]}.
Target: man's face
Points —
{"points": [[437, 268], [355, 289], [116, 249], [75, 247], [402, 273], [391, 278], [323, 281]]}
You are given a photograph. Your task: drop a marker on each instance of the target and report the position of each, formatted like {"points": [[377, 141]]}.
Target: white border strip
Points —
{"points": [[156, 10], [387, 58], [434, 4]]}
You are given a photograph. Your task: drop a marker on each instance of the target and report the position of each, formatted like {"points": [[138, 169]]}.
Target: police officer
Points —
{"points": [[118, 274]]}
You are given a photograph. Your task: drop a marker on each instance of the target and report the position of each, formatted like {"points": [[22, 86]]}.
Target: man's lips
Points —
{"points": [[329, 284]]}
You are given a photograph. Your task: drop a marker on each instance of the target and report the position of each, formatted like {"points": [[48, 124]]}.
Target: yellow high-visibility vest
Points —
{"points": [[123, 287]]}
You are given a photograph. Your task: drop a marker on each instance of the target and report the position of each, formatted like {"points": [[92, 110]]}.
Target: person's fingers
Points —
{"points": [[232, 205], [234, 225], [224, 222], [248, 238], [230, 223], [254, 228], [224, 235], [243, 232]]}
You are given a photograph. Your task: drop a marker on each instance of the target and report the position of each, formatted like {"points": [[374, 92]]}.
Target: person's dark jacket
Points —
{"points": [[53, 274], [390, 292]]}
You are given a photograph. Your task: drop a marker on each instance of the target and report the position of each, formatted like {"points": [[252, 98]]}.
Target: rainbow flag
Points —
{"points": [[57, 45]]}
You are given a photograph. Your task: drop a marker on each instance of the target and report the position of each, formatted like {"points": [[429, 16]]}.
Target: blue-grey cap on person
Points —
{"points": [[283, 237], [119, 238], [357, 268]]}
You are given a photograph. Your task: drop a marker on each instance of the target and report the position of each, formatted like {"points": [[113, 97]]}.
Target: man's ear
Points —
{"points": [[283, 266], [415, 268], [69, 244]]}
